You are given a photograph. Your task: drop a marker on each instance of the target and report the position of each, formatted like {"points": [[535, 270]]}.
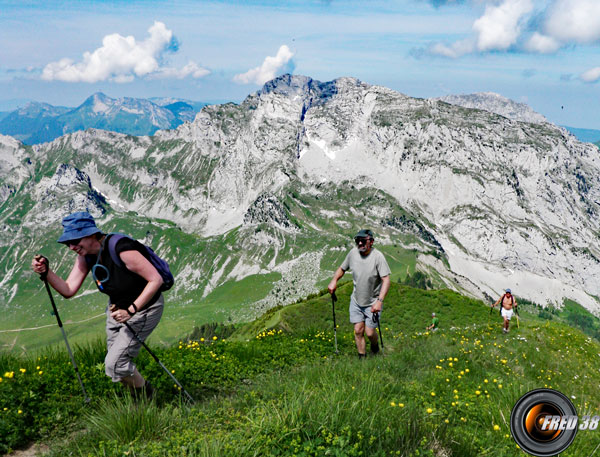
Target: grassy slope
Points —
{"points": [[285, 394], [83, 315]]}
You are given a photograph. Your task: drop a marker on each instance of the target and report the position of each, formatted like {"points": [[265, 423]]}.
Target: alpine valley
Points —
{"points": [[255, 205]]}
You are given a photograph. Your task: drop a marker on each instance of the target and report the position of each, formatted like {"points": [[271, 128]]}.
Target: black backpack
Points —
{"points": [[161, 265]]}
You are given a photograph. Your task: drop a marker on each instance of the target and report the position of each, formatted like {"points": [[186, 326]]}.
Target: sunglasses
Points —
{"points": [[360, 241], [74, 242]]}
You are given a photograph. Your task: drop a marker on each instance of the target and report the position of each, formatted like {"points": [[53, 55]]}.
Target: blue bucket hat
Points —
{"points": [[78, 225]]}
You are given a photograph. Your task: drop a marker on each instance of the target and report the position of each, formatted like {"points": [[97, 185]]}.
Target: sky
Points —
{"points": [[545, 53]]}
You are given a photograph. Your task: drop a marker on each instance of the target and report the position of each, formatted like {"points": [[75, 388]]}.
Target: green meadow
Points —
{"points": [[274, 386]]}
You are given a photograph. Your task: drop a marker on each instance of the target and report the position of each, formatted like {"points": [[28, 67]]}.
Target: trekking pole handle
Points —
{"points": [[333, 296], [42, 259]]}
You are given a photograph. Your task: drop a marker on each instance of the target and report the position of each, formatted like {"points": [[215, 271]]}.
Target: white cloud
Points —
{"points": [[574, 21], [500, 26], [542, 44], [268, 70], [592, 75], [457, 49], [121, 59], [497, 29], [191, 69]]}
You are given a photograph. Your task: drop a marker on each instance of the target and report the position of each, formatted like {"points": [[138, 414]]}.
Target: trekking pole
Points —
{"points": [[189, 397], [517, 314], [376, 318], [44, 277], [333, 300]]}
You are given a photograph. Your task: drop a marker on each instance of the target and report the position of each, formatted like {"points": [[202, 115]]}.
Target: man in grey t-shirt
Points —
{"points": [[371, 277]]}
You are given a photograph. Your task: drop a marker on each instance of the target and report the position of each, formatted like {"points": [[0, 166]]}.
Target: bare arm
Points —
{"points": [[336, 277], [72, 284], [385, 287], [137, 263]]}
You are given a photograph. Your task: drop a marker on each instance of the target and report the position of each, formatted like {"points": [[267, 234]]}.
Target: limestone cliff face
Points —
{"points": [[508, 200]]}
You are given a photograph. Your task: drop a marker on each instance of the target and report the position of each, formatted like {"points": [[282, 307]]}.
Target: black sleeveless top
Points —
{"points": [[123, 285]]}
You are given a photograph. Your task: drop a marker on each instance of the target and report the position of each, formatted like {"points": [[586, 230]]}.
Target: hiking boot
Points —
{"points": [[140, 393], [505, 330], [149, 390], [362, 356], [374, 349]]}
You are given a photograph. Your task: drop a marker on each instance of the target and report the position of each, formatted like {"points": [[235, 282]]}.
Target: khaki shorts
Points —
{"points": [[122, 345]]}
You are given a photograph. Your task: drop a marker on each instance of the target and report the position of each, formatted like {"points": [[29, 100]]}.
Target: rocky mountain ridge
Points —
{"points": [[496, 103], [268, 193]]}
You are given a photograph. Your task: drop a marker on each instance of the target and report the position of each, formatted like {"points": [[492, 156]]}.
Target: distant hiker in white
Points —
{"points": [[508, 304], [125, 274], [371, 277]]}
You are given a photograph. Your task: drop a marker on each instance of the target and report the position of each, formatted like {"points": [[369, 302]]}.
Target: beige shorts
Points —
{"points": [[122, 346]]}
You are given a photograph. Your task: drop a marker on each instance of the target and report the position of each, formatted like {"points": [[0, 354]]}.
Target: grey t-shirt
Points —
{"points": [[366, 274]]}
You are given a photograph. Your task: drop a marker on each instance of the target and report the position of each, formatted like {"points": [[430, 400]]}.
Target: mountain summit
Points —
{"points": [[255, 204]]}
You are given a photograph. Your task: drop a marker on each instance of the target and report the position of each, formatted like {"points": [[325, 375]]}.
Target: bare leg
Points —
{"points": [[359, 337], [372, 335]]}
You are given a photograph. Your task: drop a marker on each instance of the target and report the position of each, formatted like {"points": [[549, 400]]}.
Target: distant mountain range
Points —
{"points": [[495, 103], [40, 122], [255, 204]]}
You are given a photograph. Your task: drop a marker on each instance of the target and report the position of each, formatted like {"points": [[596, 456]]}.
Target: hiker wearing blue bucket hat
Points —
{"points": [[122, 270], [371, 277], [508, 304]]}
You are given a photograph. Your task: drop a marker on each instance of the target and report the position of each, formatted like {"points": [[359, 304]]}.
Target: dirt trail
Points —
{"points": [[34, 450]]}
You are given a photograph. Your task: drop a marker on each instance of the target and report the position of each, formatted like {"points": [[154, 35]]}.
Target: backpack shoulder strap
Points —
{"points": [[113, 239]]}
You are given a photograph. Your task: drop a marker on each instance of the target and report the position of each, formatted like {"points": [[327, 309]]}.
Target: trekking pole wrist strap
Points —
{"points": [[134, 307]]}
